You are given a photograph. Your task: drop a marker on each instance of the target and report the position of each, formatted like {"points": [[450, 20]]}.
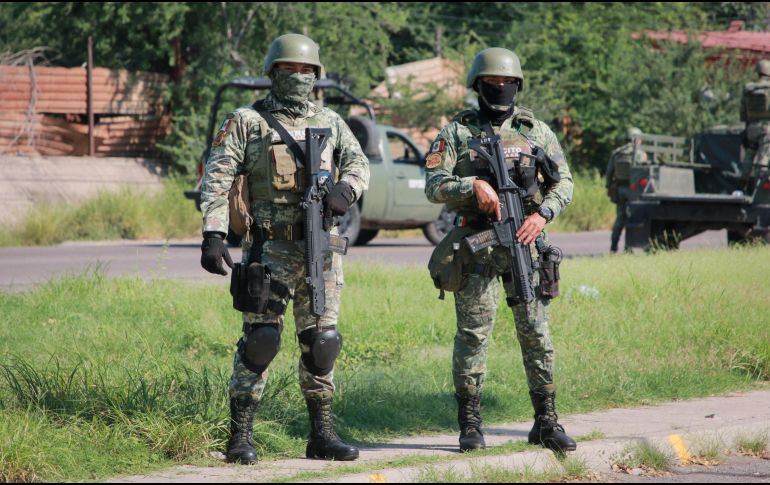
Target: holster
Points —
{"points": [[252, 285]]}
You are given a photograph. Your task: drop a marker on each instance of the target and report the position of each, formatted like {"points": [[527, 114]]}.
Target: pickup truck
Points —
{"points": [[685, 187], [395, 199]]}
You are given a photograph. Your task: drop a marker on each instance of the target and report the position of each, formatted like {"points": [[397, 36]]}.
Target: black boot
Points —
{"points": [[240, 449], [469, 419], [324, 442], [547, 431]]}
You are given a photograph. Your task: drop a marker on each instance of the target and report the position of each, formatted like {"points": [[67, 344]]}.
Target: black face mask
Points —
{"points": [[497, 102]]}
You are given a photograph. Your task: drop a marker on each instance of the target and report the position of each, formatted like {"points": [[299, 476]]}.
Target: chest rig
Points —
{"points": [[516, 143], [276, 174]]}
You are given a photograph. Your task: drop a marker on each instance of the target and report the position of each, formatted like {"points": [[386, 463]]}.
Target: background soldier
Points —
{"points": [[451, 179], [617, 175], [755, 111], [245, 144]]}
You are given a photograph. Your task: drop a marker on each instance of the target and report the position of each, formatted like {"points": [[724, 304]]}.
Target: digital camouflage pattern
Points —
{"points": [[246, 145], [244, 149], [450, 182], [287, 265]]}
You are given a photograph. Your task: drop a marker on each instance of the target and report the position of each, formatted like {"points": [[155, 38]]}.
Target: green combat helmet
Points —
{"points": [[294, 48], [632, 132], [763, 68], [495, 61]]}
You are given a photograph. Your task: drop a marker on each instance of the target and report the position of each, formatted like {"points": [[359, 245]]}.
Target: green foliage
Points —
{"points": [[582, 66], [755, 444]]}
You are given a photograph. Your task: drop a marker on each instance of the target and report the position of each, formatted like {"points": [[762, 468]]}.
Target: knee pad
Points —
{"points": [[323, 346], [259, 346]]}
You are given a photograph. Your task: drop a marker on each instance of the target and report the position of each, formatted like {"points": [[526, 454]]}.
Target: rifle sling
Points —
{"points": [[291, 143]]}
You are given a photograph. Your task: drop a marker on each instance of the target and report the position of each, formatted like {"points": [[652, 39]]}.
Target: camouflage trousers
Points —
{"points": [[758, 135], [286, 260], [476, 308]]}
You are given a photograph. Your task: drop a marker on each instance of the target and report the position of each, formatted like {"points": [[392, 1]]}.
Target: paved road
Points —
{"points": [[21, 268]]}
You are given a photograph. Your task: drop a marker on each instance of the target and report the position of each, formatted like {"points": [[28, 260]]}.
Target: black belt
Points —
{"points": [[278, 232]]}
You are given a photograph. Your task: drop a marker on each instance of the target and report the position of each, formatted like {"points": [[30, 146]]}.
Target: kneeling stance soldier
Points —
{"points": [[486, 243], [262, 143]]}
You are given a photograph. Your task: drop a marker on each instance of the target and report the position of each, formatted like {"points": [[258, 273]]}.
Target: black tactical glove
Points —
{"points": [[339, 199], [212, 251]]}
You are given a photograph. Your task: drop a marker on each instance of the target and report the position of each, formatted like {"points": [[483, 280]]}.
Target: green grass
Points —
{"points": [[146, 363], [569, 469], [646, 456], [590, 209], [124, 214], [752, 444]]}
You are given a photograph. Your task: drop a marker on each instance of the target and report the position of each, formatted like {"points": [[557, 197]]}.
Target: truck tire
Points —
{"points": [[664, 236], [367, 134], [436, 230], [366, 235], [746, 237], [350, 224]]}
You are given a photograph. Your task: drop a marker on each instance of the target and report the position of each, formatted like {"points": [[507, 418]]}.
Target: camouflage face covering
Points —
{"points": [[293, 89]]}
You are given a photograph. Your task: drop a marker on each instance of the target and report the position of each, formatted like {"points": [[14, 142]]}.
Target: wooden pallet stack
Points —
{"points": [[43, 111]]}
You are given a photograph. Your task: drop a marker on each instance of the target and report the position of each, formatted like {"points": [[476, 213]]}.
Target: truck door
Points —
{"points": [[409, 199]]}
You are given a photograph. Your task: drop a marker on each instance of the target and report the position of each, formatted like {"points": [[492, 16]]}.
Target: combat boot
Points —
{"points": [[469, 419], [240, 449], [547, 431], [324, 442]]}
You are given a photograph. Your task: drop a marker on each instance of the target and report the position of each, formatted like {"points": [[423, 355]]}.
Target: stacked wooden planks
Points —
{"points": [[43, 111]]}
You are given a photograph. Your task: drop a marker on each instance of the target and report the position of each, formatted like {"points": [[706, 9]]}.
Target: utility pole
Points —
{"points": [[437, 46], [90, 97]]}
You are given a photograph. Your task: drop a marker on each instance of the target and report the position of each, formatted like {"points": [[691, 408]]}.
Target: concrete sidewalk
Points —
{"points": [[724, 417]]}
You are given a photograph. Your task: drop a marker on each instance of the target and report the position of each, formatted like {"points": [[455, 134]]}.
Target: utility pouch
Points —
{"points": [[238, 198], [447, 262], [250, 287], [549, 261]]}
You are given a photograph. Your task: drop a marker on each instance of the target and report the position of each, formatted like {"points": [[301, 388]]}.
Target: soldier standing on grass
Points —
{"points": [[451, 179], [246, 144], [617, 176], [755, 111]]}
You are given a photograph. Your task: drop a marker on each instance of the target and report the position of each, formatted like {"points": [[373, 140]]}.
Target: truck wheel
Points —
{"points": [[366, 235], [664, 236], [746, 237], [233, 239], [367, 134], [436, 230], [350, 224]]}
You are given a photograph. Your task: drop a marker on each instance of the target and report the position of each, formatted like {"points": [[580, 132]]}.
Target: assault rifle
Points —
{"points": [[318, 239], [512, 196]]}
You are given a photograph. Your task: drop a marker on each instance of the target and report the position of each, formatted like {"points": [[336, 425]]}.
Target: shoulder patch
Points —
{"points": [[433, 160]]}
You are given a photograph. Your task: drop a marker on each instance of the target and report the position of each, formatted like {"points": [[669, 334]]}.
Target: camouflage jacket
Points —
{"points": [[450, 173], [241, 147]]}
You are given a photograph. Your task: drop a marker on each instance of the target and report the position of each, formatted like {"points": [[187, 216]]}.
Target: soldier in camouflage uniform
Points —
{"points": [[245, 144], [451, 179], [755, 111], [618, 169]]}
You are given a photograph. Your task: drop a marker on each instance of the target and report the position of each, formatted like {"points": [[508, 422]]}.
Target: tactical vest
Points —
{"points": [[757, 101], [515, 142], [274, 174], [622, 158]]}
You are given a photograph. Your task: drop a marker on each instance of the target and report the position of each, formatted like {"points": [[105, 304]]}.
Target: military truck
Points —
{"points": [[685, 187], [395, 199]]}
